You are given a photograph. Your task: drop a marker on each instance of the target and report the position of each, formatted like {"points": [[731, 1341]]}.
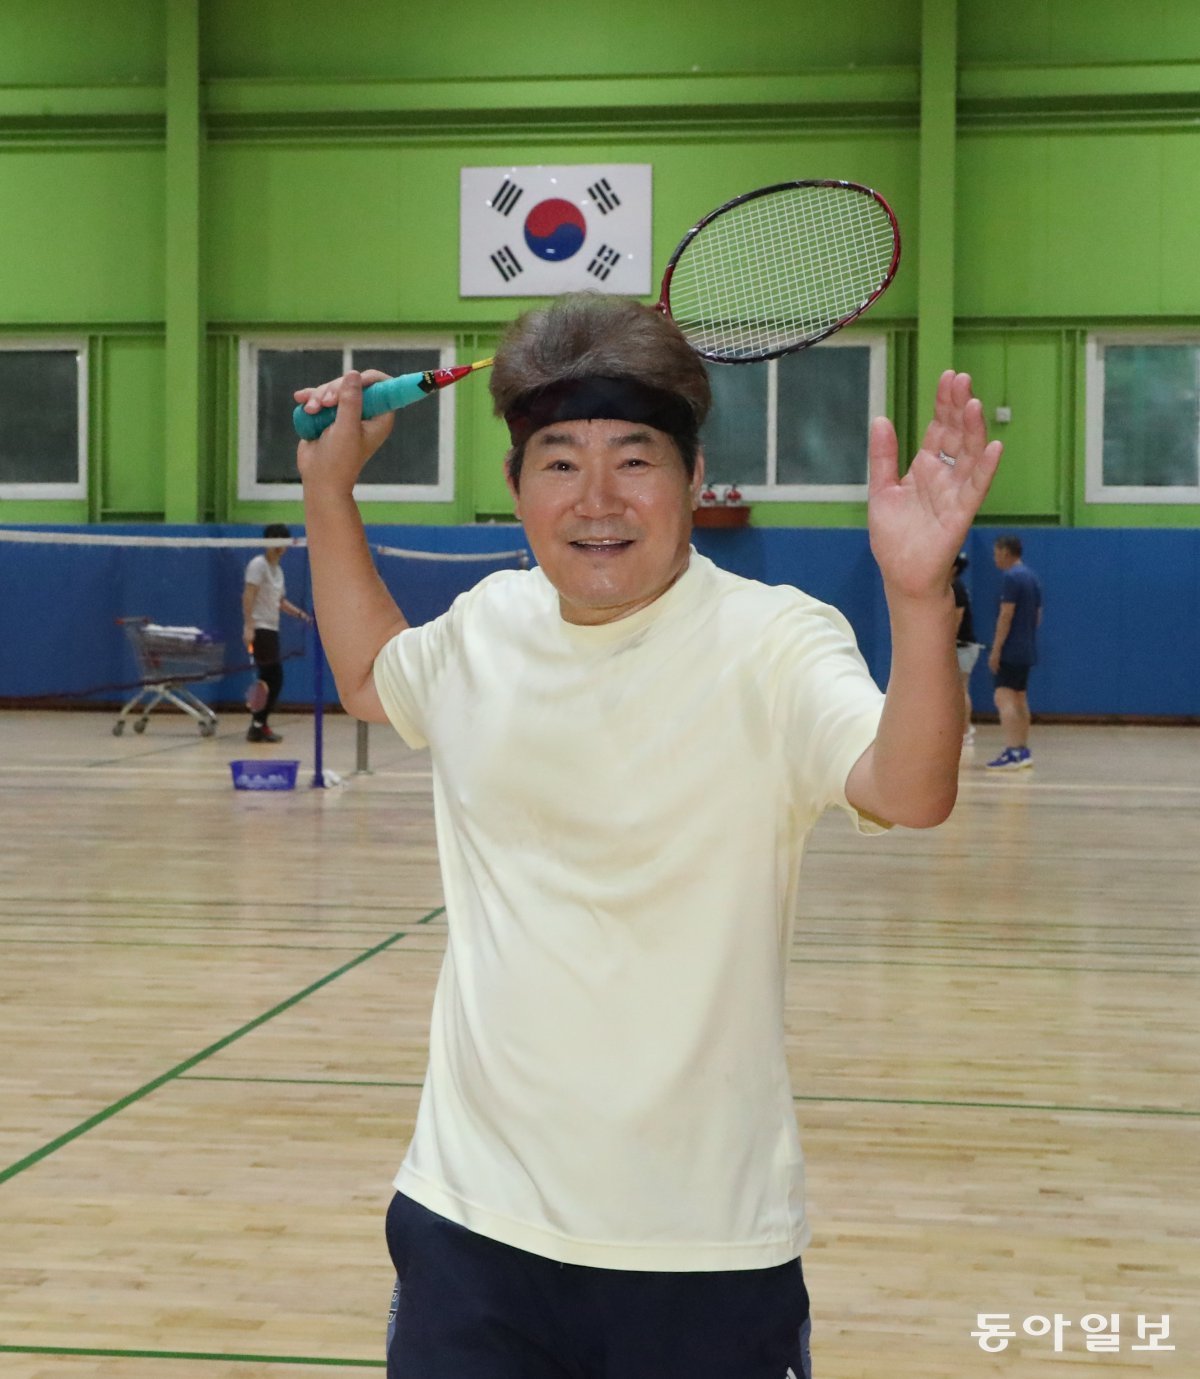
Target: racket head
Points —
{"points": [[257, 695], [780, 268]]}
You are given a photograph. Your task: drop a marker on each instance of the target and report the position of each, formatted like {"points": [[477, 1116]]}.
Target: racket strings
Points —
{"points": [[781, 270]]}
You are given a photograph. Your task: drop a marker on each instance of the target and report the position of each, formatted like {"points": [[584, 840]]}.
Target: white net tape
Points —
{"points": [[781, 270], [77, 538]]}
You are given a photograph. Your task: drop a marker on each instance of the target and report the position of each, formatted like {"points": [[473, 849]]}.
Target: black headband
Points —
{"points": [[595, 398]]}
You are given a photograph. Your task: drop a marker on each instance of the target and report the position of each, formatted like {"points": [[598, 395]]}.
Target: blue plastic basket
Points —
{"points": [[264, 775]]}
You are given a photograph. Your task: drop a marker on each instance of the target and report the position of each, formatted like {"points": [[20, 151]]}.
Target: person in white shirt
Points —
{"points": [[629, 747], [262, 601]]}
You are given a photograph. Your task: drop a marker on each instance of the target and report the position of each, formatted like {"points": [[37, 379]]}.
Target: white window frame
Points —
{"points": [[1095, 489], [249, 486], [77, 489], [771, 492]]}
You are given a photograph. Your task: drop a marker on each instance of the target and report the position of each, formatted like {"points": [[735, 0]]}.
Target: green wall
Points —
{"points": [[180, 173]]}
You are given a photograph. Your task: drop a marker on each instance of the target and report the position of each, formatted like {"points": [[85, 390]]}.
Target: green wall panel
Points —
{"points": [[305, 234], [476, 38], [1139, 515], [83, 235], [134, 410], [1021, 371], [81, 42], [1079, 225], [354, 221], [1079, 31]]}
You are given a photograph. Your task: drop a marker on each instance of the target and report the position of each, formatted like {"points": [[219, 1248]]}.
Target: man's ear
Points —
{"points": [[512, 487], [698, 479]]}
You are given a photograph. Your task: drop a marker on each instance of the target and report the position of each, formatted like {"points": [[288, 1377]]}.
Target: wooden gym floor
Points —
{"points": [[213, 1010]]}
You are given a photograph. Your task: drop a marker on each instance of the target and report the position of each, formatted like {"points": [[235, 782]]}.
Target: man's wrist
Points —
{"points": [[939, 596], [325, 490], [934, 609]]}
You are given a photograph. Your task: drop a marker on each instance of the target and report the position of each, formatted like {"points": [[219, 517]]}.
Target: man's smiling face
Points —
{"points": [[607, 507]]}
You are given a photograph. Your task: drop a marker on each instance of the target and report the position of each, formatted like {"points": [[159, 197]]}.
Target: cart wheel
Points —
{"points": [[140, 726], [207, 729], [118, 727]]}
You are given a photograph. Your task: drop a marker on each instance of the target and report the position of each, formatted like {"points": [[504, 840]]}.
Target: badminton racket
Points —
{"points": [[778, 269], [769, 272]]}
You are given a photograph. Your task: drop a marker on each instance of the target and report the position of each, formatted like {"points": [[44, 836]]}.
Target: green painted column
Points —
{"points": [[935, 245], [184, 306]]}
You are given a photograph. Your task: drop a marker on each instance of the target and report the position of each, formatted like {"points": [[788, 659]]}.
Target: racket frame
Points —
{"points": [[716, 357]]}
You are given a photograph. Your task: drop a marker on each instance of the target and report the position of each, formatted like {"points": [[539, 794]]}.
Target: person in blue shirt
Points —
{"points": [[1014, 651]]}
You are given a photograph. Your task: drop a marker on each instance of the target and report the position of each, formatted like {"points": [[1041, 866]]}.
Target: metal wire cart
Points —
{"points": [[168, 659]]}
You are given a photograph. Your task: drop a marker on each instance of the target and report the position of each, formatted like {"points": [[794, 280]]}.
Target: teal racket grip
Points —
{"points": [[385, 396]]}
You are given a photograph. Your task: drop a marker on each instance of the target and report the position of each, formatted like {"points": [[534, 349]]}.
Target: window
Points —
{"points": [[1143, 419], [415, 463], [43, 419], [795, 428]]}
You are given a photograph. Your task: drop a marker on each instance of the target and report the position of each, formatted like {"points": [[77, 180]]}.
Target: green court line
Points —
{"points": [[181, 907], [1011, 922], [1000, 1105], [222, 945], [863, 1100], [216, 946], [174, 903], [101, 1116], [1112, 947], [236, 923], [303, 1081], [190, 1355], [1116, 969]]}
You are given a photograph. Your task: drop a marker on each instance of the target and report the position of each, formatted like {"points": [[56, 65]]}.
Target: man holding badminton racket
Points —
{"points": [[630, 747]]}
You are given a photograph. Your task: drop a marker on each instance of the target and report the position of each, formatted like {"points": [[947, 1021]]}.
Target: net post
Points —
{"points": [[318, 780], [362, 736]]}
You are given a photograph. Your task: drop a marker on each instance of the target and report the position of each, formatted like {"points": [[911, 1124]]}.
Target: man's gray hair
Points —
{"points": [[586, 333], [589, 334]]}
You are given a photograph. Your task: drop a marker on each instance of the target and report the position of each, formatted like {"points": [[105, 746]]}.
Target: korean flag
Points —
{"points": [[539, 231]]}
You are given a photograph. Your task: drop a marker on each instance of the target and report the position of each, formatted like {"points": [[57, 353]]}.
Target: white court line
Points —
{"points": [[192, 772], [1095, 787]]}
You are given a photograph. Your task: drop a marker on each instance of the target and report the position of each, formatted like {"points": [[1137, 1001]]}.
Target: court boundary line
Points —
{"points": [[219, 946], [67, 1137], [1049, 968], [306, 1081], [806, 924], [208, 1355], [217, 903], [849, 1100]]}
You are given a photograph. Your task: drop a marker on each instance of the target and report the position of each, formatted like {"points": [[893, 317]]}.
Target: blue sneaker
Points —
{"points": [[1012, 759]]}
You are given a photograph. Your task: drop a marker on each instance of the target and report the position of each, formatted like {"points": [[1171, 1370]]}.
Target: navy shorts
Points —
{"points": [[1012, 677], [468, 1307]]}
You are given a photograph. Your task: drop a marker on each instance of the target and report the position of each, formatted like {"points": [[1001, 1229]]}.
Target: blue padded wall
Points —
{"points": [[1121, 634]]}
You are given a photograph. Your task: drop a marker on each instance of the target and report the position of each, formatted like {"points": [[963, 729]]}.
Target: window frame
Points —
{"points": [[251, 489], [57, 492], [1095, 489], [877, 382]]}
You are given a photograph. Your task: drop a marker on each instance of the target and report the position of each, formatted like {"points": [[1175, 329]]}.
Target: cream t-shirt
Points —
{"points": [[621, 812], [269, 587]]}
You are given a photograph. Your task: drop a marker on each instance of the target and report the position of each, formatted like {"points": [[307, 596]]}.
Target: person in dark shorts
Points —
{"points": [[262, 602], [1014, 652], [967, 648]]}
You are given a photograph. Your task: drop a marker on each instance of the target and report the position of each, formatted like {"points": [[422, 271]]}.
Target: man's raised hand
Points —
{"points": [[338, 455], [918, 523]]}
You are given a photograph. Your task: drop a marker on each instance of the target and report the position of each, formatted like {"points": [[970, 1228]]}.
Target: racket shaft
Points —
{"points": [[388, 395]]}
